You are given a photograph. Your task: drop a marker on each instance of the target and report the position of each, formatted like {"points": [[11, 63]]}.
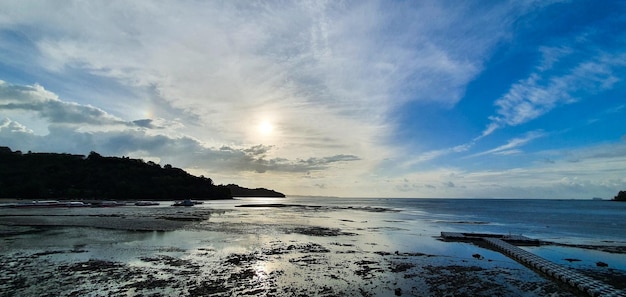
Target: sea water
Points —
{"points": [[566, 221], [592, 222], [573, 222]]}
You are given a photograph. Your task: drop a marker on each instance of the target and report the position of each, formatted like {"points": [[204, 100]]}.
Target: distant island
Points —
{"points": [[238, 191], [68, 176]]}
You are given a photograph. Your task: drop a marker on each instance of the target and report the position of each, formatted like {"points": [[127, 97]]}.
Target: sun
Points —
{"points": [[266, 127]]}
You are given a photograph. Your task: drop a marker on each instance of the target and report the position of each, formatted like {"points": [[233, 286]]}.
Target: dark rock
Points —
{"points": [[601, 264], [398, 292], [571, 260], [401, 267]]}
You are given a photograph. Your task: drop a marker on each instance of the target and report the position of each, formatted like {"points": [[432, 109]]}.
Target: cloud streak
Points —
{"points": [[510, 148], [545, 90]]}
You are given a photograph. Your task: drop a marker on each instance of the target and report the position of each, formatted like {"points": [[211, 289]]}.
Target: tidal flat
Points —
{"points": [[224, 249]]}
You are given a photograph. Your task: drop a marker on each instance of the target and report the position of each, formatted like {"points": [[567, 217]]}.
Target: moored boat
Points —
{"points": [[107, 204], [186, 202]]}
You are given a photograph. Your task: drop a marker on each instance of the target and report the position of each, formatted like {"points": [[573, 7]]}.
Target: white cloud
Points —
{"points": [[47, 105], [11, 127], [16, 94], [431, 155]]}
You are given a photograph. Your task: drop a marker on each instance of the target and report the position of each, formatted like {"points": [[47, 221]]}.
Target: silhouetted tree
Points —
{"points": [[621, 196], [94, 156]]}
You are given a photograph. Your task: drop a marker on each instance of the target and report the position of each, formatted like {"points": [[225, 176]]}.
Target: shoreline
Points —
{"points": [[179, 220]]}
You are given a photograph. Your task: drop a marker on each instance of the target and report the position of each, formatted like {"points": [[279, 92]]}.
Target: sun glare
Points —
{"points": [[266, 128]]}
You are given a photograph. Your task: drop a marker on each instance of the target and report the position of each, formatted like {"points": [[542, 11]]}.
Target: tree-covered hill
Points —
{"points": [[58, 176], [621, 196]]}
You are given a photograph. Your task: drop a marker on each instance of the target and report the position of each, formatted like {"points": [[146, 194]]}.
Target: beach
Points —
{"points": [[282, 247]]}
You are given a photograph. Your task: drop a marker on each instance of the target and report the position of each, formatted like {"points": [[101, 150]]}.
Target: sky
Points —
{"points": [[364, 98]]}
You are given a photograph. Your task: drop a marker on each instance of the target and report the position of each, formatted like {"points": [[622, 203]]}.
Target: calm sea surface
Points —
{"points": [[564, 221], [591, 222], [571, 221]]}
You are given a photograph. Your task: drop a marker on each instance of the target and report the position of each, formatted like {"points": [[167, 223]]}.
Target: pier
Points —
{"points": [[472, 237], [569, 277]]}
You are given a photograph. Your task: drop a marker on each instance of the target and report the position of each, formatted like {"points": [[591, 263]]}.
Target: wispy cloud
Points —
{"points": [[545, 90], [511, 147], [595, 174], [434, 154]]}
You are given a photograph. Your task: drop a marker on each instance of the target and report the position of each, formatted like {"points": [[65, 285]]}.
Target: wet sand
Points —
{"points": [[280, 250]]}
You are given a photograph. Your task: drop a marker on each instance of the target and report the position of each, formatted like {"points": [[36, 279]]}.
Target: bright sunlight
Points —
{"points": [[266, 127]]}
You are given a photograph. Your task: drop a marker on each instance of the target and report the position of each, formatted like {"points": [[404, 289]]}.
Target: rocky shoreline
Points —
{"points": [[313, 273], [278, 259]]}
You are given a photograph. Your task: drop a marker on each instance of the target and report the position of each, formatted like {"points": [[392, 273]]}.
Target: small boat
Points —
{"points": [[146, 203], [186, 202], [76, 204]]}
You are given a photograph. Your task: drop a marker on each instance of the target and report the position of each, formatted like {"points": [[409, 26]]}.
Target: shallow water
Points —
{"points": [[337, 245]]}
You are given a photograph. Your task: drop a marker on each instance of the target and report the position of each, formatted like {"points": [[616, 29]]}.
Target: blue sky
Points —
{"points": [[507, 99]]}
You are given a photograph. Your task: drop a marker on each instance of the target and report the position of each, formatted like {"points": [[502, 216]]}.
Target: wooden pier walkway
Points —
{"points": [[575, 280]]}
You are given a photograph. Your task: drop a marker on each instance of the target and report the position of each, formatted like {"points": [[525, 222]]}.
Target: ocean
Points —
{"points": [[571, 221]]}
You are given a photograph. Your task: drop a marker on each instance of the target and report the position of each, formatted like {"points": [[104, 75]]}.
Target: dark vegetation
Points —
{"points": [[238, 191], [60, 176], [621, 196]]}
